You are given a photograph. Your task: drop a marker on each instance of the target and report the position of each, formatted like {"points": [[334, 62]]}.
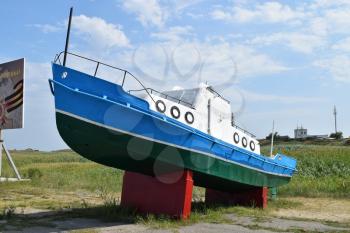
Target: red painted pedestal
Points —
{"points": [[253, 197], [149, 195]]}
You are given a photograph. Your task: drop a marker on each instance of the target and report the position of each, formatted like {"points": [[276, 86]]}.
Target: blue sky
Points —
{"points": [[282, 60]]}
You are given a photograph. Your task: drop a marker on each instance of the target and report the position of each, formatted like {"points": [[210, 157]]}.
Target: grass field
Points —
{"points": [[323, 170], [63, 179]]}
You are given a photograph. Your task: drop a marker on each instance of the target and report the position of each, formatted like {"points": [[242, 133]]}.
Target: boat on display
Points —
{"points": [[146, 130], [154, 133]]}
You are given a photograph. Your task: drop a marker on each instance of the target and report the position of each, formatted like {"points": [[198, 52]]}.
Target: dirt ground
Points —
{"points": [[313, 215], [325, 209]]}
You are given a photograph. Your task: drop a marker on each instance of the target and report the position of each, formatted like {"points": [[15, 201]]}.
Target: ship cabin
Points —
{"points": [[205, 110]]}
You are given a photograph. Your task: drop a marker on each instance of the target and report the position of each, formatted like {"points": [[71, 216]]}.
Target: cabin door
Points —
{"points": [[217, 122]]}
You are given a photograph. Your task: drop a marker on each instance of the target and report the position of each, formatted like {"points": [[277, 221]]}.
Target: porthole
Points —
{"points": [[252, 145], [236, 137], [189, 118], [160, 106], [244, 142], [175, 112]]}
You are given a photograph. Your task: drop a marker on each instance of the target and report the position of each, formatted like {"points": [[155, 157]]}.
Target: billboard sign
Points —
{"points": [[11, 94]]}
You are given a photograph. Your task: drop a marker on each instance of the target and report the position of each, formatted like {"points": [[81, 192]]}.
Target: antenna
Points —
{"points": [[67, 37], [272, 136], [335, 119]]}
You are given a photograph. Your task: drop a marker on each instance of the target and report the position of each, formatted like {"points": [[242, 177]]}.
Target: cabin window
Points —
{"points": [[175, 112], [244, 142], [236, 137], [160, 106], [252, 145], [189, 118], [186, 97]]}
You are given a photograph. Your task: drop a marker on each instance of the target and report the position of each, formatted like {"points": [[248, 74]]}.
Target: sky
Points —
{"points": [[286, 61]]}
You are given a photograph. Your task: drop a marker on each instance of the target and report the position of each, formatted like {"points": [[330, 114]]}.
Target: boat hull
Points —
{"points": [[102, 123], [127, 152]]}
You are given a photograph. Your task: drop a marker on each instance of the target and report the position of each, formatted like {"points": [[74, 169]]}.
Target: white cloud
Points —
{"points": [[37, 75], [338, 19], [195, 16], [176, 33], [305, 43], [100, 33], [270, 12], [258, 97], [317, 4], [47, 28], [149, 12], [182, 4], [252, 63], [342, 45], [329, 17], [338, 67], [221, 15], [318, 26], [193, 62]]}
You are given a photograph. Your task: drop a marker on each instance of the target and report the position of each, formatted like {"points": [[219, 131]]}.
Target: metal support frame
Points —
{"points": [[98, 64], [11, 162], [124, 78]]}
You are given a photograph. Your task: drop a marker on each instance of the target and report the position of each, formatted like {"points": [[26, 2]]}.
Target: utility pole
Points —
{"points": [[335, 119]]}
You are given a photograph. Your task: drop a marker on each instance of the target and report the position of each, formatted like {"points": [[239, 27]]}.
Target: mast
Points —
{"points": [[67, 37]]}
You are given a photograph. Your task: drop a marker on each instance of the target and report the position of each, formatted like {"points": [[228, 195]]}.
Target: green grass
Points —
{"points": [[64, 171], [323, 170]]}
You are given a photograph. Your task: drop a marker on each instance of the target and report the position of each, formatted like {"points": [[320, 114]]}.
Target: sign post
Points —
{"points": [[0, 152], [11, 106]]}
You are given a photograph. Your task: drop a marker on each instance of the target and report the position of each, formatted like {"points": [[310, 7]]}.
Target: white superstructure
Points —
{"points": [[203, 109]]}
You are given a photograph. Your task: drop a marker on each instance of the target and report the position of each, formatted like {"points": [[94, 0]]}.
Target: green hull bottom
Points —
{"points": [[135, 154]]}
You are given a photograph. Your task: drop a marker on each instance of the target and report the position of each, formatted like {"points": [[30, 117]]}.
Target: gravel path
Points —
{"points": [[239, 224]]}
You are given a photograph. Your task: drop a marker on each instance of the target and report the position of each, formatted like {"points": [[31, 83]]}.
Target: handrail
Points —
{"points": [[58, 56], [244, 131], [210, 88], [222, 143], [166, 96]]}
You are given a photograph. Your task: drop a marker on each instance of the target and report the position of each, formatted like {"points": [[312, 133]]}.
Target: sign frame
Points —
{"points": [[12, 89]]}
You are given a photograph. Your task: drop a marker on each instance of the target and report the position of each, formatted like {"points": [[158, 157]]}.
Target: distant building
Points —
{"points": [[300, 132]]}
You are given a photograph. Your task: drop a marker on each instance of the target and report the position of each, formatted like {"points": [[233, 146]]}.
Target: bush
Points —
{"points": [[277, 137], [347, 142], [34, 173], [337, 135]]}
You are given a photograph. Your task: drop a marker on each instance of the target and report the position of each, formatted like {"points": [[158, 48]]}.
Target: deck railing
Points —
{"points": [[166, 96], [126, 73]]}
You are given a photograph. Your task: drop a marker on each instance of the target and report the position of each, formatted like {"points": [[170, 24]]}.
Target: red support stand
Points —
{"points": [[256, 197], [149, 195]]}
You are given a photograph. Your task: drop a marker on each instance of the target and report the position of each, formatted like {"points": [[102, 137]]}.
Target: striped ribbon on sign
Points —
{"points": [[15, 100]]}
